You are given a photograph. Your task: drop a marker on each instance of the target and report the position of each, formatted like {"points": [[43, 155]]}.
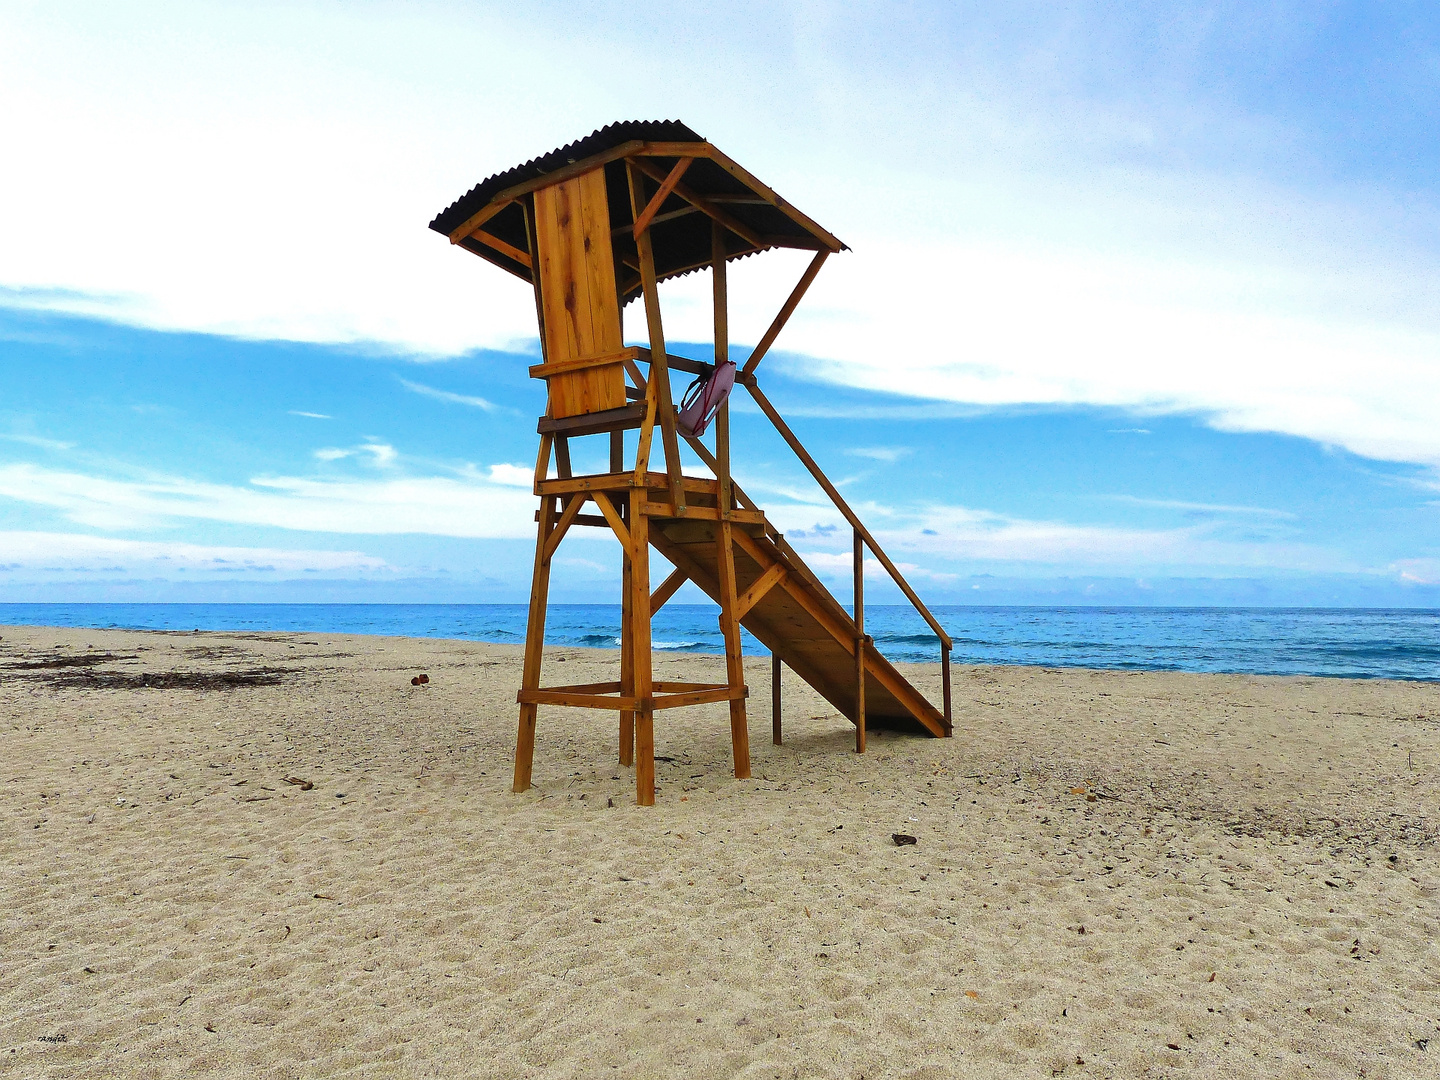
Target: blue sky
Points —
{"points": [[1142, 306]]}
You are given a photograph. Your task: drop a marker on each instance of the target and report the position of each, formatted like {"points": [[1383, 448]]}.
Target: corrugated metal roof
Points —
{"points": [[597, 142], [680, 235]]}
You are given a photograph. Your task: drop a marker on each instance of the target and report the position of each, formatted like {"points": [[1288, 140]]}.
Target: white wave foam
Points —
{"points": [[671, 644]]}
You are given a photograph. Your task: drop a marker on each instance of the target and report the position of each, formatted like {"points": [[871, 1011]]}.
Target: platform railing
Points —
{"points": [[863, 539]]}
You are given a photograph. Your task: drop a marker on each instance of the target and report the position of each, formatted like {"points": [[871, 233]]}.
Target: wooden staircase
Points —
{"points": [[787, 608]]}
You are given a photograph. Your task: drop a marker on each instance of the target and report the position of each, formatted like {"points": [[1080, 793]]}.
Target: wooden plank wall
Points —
{"points": [[577, 291]]}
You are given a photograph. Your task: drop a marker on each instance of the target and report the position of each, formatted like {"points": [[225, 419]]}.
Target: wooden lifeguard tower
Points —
{"points": [[592, 226]]}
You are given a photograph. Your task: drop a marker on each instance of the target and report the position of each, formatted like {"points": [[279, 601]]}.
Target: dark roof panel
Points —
{"points": [[597, 142], [757, 218]]}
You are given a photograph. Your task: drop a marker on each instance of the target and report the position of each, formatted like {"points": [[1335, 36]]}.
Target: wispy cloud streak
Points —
{"points": [[29, 551], [438, 506], [37, 440], [1198, 507], [448, 396]]}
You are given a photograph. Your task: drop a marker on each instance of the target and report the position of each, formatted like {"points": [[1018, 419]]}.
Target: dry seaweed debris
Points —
{"points": [[82, 660], [86, 679]]}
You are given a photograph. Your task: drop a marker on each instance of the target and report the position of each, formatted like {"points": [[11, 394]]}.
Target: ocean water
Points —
{"points": [[1347, 642]]}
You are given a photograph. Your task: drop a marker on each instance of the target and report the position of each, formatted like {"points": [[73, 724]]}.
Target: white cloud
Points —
{"points": [[36, 440], [381, 454], [1417, 571], [843, 563], [311, 415], [933, 538], [384, 453], [452, 398], [436, 506], [1037, 268], [1047, 327], [1198, 507], [513, 476], [959, 533], [889, 454], [30, 551]]}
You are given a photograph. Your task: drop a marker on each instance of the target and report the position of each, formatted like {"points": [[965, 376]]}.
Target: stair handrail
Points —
{"points": [[789, 436]]}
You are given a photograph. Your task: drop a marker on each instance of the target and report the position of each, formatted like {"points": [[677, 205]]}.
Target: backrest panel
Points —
{"points": [[577, 293]]}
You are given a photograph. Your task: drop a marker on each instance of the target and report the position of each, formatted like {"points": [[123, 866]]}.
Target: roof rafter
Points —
{"points": [[666, 187], [669, 215], [474, 221], [748, 179], [739, 228], [510, 250]]}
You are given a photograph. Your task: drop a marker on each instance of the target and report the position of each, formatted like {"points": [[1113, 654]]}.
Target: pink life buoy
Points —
{"points": [[703, 396]]}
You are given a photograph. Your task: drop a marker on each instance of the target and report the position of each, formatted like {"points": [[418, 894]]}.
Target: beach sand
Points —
{"points": [[1117, 874]]}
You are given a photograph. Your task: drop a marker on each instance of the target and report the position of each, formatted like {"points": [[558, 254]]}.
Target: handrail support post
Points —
{"points": [[945, 683], [859, 643], [775, 725]]}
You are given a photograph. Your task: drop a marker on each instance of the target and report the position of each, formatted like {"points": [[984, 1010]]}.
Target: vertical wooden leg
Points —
{"points": [[859, 643], [525, 748], [734, 660], [534, 645], [945, 683], [617, 451], [640, 649], [627, 661], [775, 698]]}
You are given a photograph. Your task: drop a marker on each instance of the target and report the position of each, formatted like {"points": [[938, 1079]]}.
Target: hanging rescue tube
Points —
{"points": [[704, 396]]}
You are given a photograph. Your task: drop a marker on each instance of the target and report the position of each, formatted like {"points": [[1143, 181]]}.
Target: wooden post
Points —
{"points": [[534, 644], [647, 430], [659, 368], [542, 459], [617, 451], [627, 657], [527, 207], [640, 649], [725, 499], [775, 698], [945, 681], [734, 660], [859, 643]]}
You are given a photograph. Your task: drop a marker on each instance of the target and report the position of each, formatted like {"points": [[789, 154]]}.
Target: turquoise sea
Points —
{"points": [[1346, 642]]}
